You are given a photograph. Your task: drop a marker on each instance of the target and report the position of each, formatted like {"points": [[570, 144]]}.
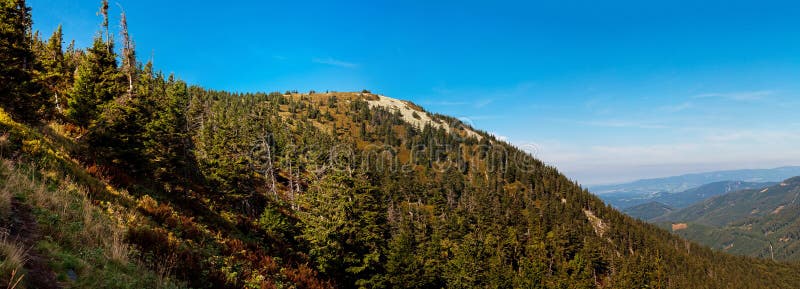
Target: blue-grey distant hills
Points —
{"points": [[672, 191], [663, 202]]}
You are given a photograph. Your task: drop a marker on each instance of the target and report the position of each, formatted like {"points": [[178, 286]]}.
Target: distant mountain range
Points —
{"points": [[664, 190], [758, 222], [663, 203]]}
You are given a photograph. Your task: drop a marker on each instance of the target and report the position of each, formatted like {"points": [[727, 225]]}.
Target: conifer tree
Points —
{"points": [[346, 230], [96, 82], [166, 135], [18, 91], [97, 78], [55, 72]]}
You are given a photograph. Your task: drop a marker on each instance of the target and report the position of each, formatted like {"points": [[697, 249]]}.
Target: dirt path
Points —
{"points": [[23, 228]]}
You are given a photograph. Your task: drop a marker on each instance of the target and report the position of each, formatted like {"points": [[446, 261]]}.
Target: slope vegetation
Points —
{"points": [[138, 180], [364, 208]]}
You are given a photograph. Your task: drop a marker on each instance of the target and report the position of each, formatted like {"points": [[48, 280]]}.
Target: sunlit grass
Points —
{"points": [[83, 236]]}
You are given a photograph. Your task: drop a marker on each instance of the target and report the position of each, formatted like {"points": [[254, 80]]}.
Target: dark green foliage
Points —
{"points": [[97, 81], [55, 74], [19, 93], [275, 224], [166, 139], [346, 230]]}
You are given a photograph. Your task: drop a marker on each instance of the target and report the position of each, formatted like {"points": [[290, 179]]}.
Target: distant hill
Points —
{"points": [[758, 222], [643, 191], [648, 211], [664, 203], [691, 196]]}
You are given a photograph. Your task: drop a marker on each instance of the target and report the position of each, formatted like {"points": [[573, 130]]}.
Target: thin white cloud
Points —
{"points": [[445, 103], [472, 118], [477, 104], [623, 124], [754, 136], [483, 102], [677, 108], [335, 62], [740, 96], [481, 98], [442, 90]]}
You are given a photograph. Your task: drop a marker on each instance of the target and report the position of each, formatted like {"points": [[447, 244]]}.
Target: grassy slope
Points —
{"points": [[62, 227]]}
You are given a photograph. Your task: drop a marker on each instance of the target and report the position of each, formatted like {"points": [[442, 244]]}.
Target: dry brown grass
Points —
{"points": [[12, 258], [6, 194], [72, 205], [4, 142], [14, 281], [78, 215]]}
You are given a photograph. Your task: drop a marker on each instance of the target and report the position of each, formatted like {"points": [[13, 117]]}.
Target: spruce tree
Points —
{"points": [[18, 91], [54, 74], [166, 135], [346, 230], [97, 78], [97, 81]]}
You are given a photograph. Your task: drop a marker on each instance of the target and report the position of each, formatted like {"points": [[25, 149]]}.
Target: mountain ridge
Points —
{"points": [[674, 183], [648, 211], [680, 200], [642, 191]]}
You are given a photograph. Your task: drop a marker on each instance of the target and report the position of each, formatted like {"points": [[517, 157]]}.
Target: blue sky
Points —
{"points": [[607, 91]]}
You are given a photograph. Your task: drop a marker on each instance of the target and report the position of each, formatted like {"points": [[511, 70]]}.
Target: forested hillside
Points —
{"points": [[115, 175]]}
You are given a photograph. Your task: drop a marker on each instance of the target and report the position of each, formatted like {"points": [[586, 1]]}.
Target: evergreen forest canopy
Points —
{"points": [[115, 175]]}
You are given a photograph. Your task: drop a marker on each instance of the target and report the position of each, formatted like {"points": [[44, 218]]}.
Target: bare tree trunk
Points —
{"points": [[58, 102], [130, 83], [771, 251], [271, 172]]}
